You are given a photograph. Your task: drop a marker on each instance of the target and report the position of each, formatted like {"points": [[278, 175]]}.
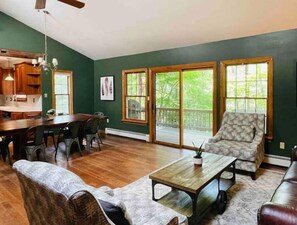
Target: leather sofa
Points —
{"points": [[282, 208]]}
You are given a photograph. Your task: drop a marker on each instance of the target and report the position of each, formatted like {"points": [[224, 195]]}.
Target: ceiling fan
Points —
{"points": [[40, 4]]}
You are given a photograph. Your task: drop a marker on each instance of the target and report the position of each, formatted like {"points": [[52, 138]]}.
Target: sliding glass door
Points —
{"points": [[167, 110], [183, 105]]}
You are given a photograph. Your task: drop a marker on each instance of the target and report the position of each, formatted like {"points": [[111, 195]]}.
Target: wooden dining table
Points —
{"points": [[17, 128]]}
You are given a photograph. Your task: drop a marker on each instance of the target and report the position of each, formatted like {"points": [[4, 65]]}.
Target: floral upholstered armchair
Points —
{"points": [[55, 196], [242, 136]]}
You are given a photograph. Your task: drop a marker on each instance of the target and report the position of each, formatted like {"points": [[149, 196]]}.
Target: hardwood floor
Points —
{"points": [[120, 162]]}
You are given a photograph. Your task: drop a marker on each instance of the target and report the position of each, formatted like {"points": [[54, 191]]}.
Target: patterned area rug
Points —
{"points": [[244, 198]]}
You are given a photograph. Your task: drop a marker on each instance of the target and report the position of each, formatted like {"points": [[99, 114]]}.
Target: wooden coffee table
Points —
{"points": [[203, 184]]}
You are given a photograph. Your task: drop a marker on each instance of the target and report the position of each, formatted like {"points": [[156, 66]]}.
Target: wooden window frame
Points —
{"points": [[183, 67], [265, 59], [124, 96], [70, 89]]}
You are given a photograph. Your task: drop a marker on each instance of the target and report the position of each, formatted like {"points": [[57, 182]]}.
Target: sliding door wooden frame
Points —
{"points": [[180, 68]]}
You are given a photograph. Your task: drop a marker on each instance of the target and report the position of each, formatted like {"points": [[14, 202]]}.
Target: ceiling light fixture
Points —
{"points": [[42, 61], [9, 77]]}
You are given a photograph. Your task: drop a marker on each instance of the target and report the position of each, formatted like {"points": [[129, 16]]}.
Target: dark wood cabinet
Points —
{"points": [[27, 79], [20, 79]]}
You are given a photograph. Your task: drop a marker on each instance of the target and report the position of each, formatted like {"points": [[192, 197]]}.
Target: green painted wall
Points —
{"points": [[16, 35], [281, 45]]}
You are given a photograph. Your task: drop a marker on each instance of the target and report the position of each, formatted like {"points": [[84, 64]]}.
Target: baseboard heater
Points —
{"points": [[129, 134], [277, 160], [270, 159]]}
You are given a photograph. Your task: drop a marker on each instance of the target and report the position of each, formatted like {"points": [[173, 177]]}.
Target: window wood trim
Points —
{"points": [[269, 61], [124, 95], [70, 73]]}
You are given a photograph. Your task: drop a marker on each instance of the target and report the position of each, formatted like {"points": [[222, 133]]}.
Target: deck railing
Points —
{"points": [[193, 119]]}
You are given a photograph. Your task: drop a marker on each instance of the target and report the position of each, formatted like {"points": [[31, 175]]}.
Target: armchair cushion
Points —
{"points": [[235, 132]]}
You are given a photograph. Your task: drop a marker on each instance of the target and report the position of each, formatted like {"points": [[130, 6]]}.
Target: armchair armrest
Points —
{"points": [[216, 138], [259, 137], [294, 153], [274, 214]]}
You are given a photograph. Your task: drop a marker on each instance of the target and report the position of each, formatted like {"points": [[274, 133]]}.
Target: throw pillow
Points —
{"points": [[114, 213], [235, 132]]}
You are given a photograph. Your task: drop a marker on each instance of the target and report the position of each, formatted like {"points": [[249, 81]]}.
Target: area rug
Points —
{"points": [[244, 198]]}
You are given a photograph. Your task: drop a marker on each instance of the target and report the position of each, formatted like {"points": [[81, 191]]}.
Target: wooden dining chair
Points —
{"points": [[69, 135], [34, 142]]}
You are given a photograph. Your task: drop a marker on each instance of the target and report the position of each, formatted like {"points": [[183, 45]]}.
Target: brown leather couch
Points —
{"points": [[282, 208]]}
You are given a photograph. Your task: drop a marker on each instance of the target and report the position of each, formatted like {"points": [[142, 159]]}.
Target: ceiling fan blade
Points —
{"points": [[40, 4], [74, 3]]}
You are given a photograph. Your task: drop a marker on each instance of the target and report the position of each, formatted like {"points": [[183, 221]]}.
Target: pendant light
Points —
{"points": [[9, 77], [42, 61]]}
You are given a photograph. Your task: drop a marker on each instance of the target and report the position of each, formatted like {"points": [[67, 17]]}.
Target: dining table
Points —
{"points": [[17, 128]]}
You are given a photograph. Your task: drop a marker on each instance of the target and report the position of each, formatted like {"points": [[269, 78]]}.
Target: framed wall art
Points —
{"points": [[107, 88]]}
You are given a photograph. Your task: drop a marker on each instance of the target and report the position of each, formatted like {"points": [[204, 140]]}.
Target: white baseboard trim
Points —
{"points": [[129, 134], [277, 160], [270, 159]]}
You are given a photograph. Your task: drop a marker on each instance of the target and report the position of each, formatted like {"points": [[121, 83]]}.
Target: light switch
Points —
{"points": [[45, 95]]}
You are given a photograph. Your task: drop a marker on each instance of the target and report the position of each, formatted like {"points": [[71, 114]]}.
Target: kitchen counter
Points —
{"points": [[18, 109]]}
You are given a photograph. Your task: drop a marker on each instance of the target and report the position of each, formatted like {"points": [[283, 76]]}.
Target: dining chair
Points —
{"points": [[34, 142], [100, 123], [91, 132], [69, 135], [50, 133], [4, 149]]}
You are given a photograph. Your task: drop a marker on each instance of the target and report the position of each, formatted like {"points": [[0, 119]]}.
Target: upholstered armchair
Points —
{"points": [[54, 196], [242, 136]]}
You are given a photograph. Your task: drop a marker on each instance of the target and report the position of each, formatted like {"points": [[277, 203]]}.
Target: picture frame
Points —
{"points": [[107, 88]]}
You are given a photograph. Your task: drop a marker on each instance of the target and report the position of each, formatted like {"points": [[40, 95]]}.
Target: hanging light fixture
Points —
{"points": [[9, 77], [42, 61]]}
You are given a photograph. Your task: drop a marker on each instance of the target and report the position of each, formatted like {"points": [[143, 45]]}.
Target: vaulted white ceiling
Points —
{"points": [[110, 28]]}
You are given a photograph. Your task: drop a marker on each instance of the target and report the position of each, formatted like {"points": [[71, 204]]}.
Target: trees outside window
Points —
{"points": [[134, 96], [247, 86]]}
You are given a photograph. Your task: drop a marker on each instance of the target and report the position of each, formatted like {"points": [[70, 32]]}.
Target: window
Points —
{"points": [[62, 92], [134, 96], [247, 86]]}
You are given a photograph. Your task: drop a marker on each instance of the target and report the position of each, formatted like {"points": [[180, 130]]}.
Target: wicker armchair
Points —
{"points": [[53, 196], [242, 136]]}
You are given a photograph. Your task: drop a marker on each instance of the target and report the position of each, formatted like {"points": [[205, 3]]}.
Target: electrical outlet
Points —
{"points": [[45, 95], [282, 145]]}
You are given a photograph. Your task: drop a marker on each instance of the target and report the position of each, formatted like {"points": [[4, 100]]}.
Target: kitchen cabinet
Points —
{"points": [[31, 115], [27, 79], [25, 115], [16, 115]]}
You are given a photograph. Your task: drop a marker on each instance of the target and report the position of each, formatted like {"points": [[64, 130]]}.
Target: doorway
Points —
{"points": [[183, 104]]}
